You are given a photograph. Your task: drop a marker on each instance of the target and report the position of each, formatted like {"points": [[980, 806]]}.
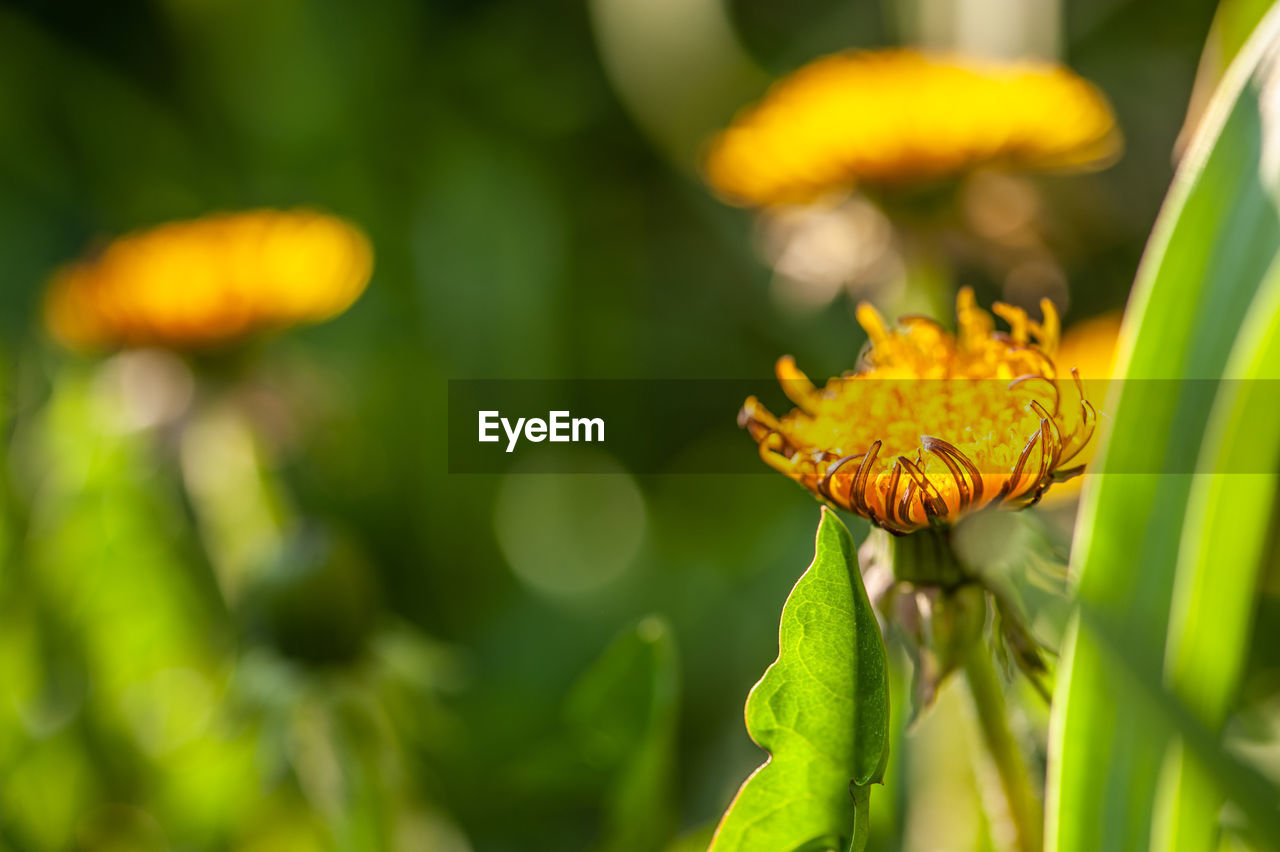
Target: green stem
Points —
{"points": [[988, 701], [925, 558], [242, 511], [861, 817]]}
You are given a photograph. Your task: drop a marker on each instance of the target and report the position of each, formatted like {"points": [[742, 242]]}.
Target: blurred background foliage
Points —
{"points": [[460, 662]]}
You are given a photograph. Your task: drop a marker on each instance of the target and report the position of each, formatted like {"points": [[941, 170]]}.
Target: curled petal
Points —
{"points": [[941, 418]]}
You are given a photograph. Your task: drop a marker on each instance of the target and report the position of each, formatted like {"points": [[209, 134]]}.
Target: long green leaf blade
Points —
{"points": [[822, 712], [1214, 241], [1229, 518]]}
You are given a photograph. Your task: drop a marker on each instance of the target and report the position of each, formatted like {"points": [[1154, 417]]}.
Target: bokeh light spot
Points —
{"points": [[569, 534]]}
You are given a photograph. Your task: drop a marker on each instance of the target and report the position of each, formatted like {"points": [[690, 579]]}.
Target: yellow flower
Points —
{"points": [[900, 116], [932, 425], [1090, 347], [205, 282]]}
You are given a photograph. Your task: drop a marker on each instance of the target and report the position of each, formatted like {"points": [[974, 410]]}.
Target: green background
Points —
{"points": [[420, 685]]}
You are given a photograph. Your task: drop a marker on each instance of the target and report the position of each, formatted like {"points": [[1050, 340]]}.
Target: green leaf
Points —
{"points": [[1213, 244], [1233, 23], [624, 714], [1252, 793], [822, 712], [1229, 517]]}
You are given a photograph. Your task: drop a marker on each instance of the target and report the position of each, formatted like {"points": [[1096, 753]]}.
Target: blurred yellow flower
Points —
{"points": [[901, 116], [932, 425], [1090, 346], [187, 285]]}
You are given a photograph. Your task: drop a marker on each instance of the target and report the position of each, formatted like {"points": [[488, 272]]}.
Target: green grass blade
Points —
{"points": [[1251, 791], [1212, 246], [822, 712], [1233, 23], [625, 711], [1229, 517]]}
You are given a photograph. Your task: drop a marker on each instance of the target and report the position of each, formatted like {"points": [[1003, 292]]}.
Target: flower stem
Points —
{"points": [[988, 701], [861, 817], [925, 558], [241, 509]]}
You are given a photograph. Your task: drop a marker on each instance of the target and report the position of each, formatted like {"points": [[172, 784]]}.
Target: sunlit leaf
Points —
{"points": [[821, 711], [1211, 248], [1229, 517], [1233, 23]]}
